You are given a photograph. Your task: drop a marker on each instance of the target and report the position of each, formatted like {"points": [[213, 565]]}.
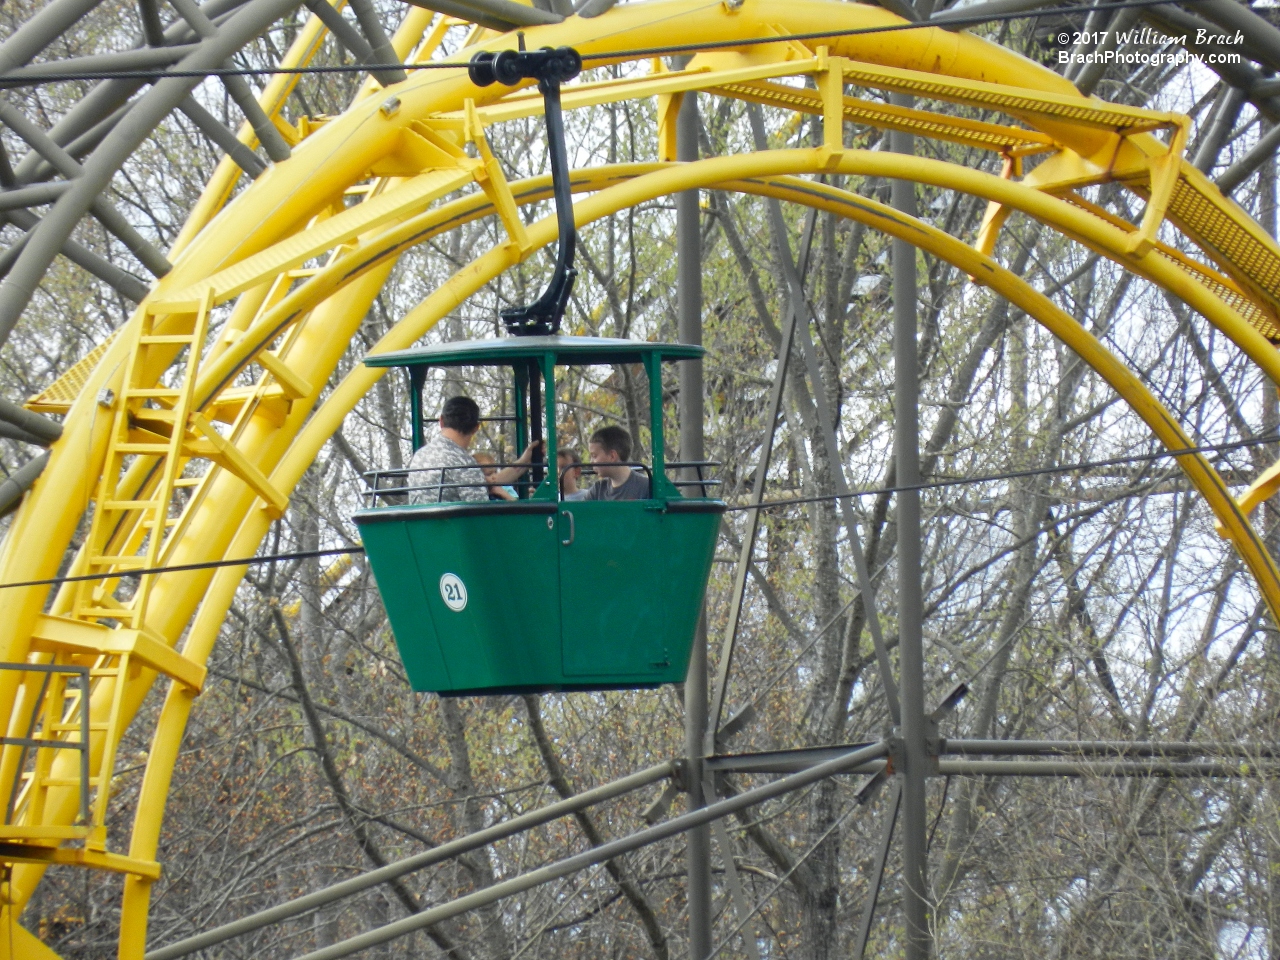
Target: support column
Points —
{"points": [[689, 308], [914, 759]]}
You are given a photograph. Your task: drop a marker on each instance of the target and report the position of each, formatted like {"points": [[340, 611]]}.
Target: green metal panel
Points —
{"points": [[612, 617], [408, 606], [616, 608], [507, 636]]}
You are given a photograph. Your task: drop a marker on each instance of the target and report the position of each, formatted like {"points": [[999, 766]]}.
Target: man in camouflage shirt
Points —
{"points": [[443, 470]]}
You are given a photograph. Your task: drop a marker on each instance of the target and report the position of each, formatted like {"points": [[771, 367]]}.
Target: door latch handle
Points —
{"points": [[568, 514]]}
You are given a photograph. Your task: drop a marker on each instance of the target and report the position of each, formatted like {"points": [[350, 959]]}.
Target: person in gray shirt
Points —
{"points": [[443, 470], [610, 449]]}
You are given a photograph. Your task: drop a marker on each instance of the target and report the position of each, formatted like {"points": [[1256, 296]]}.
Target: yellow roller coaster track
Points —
{"points": [[175, 461]]}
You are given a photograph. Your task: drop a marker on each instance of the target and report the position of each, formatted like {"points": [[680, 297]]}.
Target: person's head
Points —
{"points": [[486, 462], [611, 445], [460, 419], [568, 468]]}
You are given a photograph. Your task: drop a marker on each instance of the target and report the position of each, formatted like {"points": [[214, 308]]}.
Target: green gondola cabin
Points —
{"points": [[542, 593]]}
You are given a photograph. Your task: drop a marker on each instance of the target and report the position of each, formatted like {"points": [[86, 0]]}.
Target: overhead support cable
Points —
{"points": [[271, 139], [142, 58], [19, 482], [69, 167], [400, 868], [1261, 152], [50, 23], [218, 132], [589, 858], [383, 52], [501, 15]]}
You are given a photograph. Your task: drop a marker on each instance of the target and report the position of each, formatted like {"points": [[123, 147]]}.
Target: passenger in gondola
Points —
{"points": [[569, 469], [488, 466], [610, 449], [443, 470]]}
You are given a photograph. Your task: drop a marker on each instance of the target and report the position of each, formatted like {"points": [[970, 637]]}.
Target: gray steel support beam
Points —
{"points": [[380, 43], [216, 131], [1261, 37], [906, 434], [152, 28], [742, 905], [400, 868], [689, 318], [1261, 152], [270, 138], [117, 147], [342, 29], [10, 254], [1174, 20], [43, 429], [1115, 748], [1091, 73], [69, 167], [19, 482], [110, 95], [142, 58], [973, 14], [53, 20], [593, 8], [1100, 768], [589, 858], [876, 877], [123, 282], [34, 196], [9, 432], [502, 15], [1224, 121], [783, 761], [43, 170]]}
